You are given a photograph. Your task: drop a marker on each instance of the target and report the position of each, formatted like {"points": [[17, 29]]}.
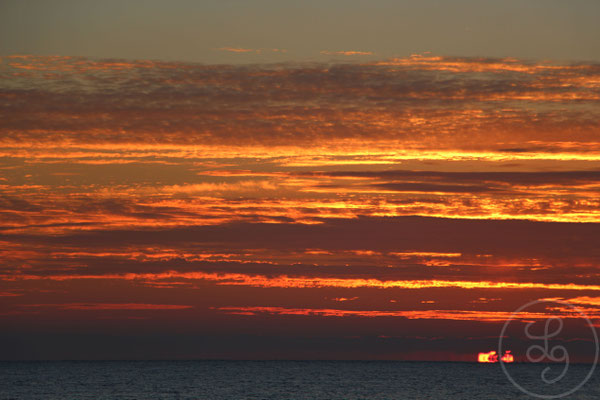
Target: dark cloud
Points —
{"points": [[507, 178], [87, 101], [423, 187], [10, 203], [510, 237]]}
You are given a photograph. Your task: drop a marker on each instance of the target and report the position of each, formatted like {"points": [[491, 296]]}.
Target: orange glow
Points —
{"points": [[455, 315], [471, 65], [347, 53], [239, 50], [492, 357], [349, 194], [285, 281], [507, 357]]}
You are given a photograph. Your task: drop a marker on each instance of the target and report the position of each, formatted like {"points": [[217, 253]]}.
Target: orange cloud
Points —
{"points": [[464, 181], [244, 50], [456, 315], [239, 50], [112, 306], [582, 300], [347, 53], [285, 281], [457, 64]]}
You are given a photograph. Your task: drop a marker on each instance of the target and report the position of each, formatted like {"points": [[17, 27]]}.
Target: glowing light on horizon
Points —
{"points": [[507, 357], [492, 357]]}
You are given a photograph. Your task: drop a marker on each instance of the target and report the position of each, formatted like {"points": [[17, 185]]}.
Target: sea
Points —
{"points": [[290, 380]]}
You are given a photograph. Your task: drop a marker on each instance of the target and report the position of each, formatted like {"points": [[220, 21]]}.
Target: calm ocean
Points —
{"points": [[278, 380]]}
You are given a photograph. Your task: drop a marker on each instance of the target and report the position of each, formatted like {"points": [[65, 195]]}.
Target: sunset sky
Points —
{"points": [[324, 180]]}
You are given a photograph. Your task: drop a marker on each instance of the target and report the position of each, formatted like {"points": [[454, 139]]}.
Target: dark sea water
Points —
{"points": [[280, 380]]}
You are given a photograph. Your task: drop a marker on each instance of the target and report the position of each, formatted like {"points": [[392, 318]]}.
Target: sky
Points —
{"points": [[270, 180], [278, 31]]}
